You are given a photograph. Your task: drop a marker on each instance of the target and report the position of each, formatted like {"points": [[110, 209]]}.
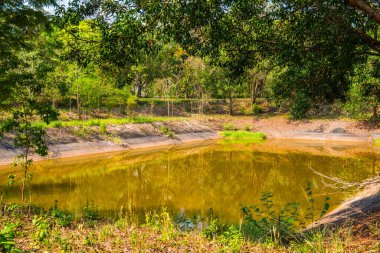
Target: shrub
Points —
{"points": [[103, 128], [228, 127], [300, 106], [167, 132], [247, 128], [43, 227], [90, 212], [7, 236], [131, 104], [61, 218], [360, 102], [93, 123], [161, 222], [233, 239], [257, 109], [57, 124]]}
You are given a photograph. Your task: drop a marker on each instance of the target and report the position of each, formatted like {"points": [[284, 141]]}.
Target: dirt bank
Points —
{"points": [[363, 205], [280, 127], [359, 215], [75, 141]]}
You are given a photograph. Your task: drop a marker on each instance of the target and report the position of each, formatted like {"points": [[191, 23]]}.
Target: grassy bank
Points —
{"points": [[100, 122], [33, 229], [243, 135]]}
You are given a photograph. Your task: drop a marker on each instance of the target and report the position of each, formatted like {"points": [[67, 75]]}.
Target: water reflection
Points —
{"points": [[192, 178]]}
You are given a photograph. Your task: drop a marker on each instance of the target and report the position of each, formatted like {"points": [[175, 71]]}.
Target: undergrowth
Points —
{"points": [[264, 227]]}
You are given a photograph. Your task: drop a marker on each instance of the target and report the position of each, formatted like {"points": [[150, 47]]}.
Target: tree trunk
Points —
{"points": [[253, 92], [139, 91], [375, 115], [231, 105]]}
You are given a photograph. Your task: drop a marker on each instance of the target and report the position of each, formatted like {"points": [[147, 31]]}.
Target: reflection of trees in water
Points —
{"points": [[217, 177]]}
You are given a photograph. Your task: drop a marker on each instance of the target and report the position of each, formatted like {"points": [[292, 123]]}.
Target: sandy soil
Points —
{"points": [[314, 129], [68, 142]]}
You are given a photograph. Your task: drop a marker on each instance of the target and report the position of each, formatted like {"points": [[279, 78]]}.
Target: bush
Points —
{"points": [[248, 128], [131, 104], [61, 218], [103, 128], [359, 103], [257, 109], [161, 222], [232, 239], [167, 132], [300, 106], [90, 212], [7, 236], [57, 124], [228, 127]]}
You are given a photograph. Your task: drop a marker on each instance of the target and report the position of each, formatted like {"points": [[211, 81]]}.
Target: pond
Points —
{"points": [[192, 179]]}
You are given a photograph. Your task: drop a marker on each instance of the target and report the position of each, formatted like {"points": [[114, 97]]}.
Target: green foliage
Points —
{"points": [[167, 132], [300, 106], [131, 104], [103, 128], [311, 210], [247, 128], [360, 102], [266, 225], [90, 212], [161, 222], [228, 127], [242, 134], [11, 179], [7, 236], [43, 227], [232, 239], [213, 229], [257, 109], [61, 218]]}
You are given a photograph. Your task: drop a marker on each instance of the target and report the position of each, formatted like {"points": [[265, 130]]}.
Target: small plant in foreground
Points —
{"points": [[232, 239], [7, 236], [61, 218], [43, 227], [161, 222], [90, 212], [264, 224]]}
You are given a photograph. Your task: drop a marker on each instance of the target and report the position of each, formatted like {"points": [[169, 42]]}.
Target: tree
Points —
{"points": [[26, 108], [20, 22], [316, 43]]}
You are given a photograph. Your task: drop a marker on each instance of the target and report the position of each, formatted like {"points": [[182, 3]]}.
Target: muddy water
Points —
{"points": [[194, 178]]}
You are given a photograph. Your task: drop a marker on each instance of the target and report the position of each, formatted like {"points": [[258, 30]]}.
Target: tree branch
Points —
{"points": [[361, 5]]}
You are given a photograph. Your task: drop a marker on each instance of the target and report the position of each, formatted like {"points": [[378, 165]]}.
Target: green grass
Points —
{"points": [[243, 135], [105, 122], [377, 142]]}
